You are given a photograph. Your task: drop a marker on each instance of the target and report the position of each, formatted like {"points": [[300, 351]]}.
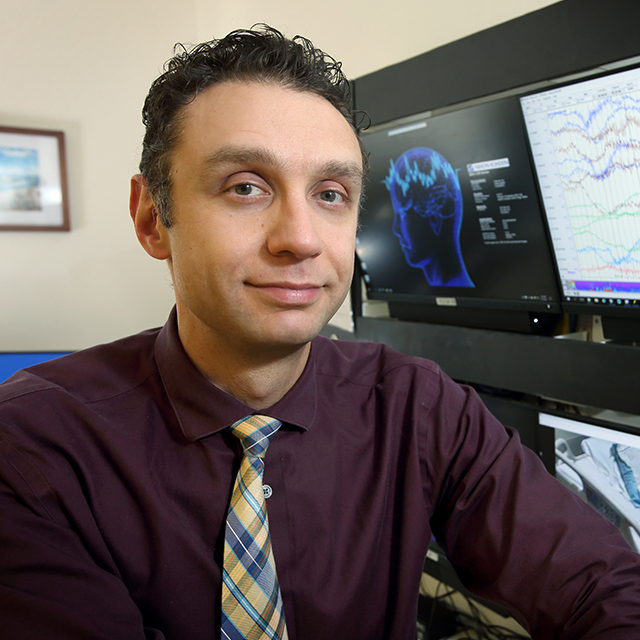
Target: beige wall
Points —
{"points": [[84, 67]]}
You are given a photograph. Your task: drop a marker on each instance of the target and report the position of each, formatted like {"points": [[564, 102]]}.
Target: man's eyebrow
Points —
{"points": [[230, 155], [344, 169]]}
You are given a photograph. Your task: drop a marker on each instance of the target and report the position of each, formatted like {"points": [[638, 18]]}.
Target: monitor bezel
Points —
{"points": [[529, 316]]}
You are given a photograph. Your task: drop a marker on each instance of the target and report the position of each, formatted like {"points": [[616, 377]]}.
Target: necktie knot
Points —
{"points": [[255, 433]]}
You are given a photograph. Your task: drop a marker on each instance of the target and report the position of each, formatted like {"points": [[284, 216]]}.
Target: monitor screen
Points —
{"points": [[14, 361], [585, 144], [451, 216], [600, 464]]}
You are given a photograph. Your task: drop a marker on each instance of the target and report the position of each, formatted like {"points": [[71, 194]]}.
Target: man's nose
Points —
{"points": [[294, 228]]}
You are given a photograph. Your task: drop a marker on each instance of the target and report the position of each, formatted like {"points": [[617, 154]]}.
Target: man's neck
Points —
{"points": [[256, 377], [261, 384]]}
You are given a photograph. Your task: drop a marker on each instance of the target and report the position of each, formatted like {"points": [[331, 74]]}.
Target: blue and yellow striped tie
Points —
{"points": [[251, 599]]}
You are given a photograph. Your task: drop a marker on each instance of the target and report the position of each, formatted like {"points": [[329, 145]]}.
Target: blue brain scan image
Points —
{"points": [[427, 205]]}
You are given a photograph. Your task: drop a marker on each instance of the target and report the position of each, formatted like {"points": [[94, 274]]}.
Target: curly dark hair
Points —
{"points": [[261, 54]]}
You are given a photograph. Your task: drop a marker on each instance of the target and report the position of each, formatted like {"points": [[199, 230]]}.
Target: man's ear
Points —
{"points": [[152, 234]]}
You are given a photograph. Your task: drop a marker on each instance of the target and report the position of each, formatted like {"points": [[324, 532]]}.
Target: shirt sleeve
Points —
{"points": [[518, 537], [50, 586]]}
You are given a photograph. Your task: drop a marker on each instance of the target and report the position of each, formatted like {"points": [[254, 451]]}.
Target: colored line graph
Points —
{"points": [[597, 147]]}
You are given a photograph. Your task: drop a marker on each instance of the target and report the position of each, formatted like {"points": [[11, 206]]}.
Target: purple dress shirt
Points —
{"points": [[116, 470]]}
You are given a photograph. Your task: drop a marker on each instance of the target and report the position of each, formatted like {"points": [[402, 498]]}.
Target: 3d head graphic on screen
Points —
{"points": [[427, 205]]}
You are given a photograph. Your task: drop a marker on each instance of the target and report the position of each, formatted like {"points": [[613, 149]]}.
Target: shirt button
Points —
{"points": [[268, 491]]}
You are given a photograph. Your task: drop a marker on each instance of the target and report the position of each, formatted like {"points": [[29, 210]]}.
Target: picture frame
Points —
{"points": [[33, 180]]}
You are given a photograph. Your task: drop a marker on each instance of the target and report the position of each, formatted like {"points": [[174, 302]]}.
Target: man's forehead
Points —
{"points": [[234, 122], [234, 93]]}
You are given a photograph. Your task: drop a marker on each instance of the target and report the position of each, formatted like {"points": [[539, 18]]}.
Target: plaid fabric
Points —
{"points": [[251, 599]]}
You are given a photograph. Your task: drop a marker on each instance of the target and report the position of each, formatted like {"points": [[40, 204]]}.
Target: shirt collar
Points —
{"points": [[203, 409]]}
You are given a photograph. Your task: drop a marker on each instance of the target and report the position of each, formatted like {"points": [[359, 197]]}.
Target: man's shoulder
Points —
{"points": [[91, 374]]}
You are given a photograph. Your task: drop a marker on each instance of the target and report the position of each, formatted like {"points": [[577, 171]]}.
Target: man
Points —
{"points": [[118, 464]]}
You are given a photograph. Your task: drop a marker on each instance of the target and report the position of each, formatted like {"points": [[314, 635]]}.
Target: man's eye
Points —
{"points": [[331, 196], [244, 189]]}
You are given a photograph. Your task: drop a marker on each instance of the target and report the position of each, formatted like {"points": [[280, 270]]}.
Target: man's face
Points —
{"points": [[265, 184]]}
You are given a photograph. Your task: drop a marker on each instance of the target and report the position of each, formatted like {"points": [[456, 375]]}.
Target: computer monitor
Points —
{"points": [[600, 462], [452, 229], [585, 143], [10, 362]]}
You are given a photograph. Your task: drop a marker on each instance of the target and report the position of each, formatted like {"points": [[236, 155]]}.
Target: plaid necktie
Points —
{"points": [[251, 599]]}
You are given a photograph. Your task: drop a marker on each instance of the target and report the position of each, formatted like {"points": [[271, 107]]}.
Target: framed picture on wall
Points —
{"points": [[33, 180]]}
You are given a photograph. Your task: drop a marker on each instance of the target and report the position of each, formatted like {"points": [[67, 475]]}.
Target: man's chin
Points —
{"points": [[295, 339], [296, 334]]}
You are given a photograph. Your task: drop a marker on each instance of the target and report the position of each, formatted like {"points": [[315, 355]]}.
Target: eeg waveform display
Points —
{"points": [[585, 142]]}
